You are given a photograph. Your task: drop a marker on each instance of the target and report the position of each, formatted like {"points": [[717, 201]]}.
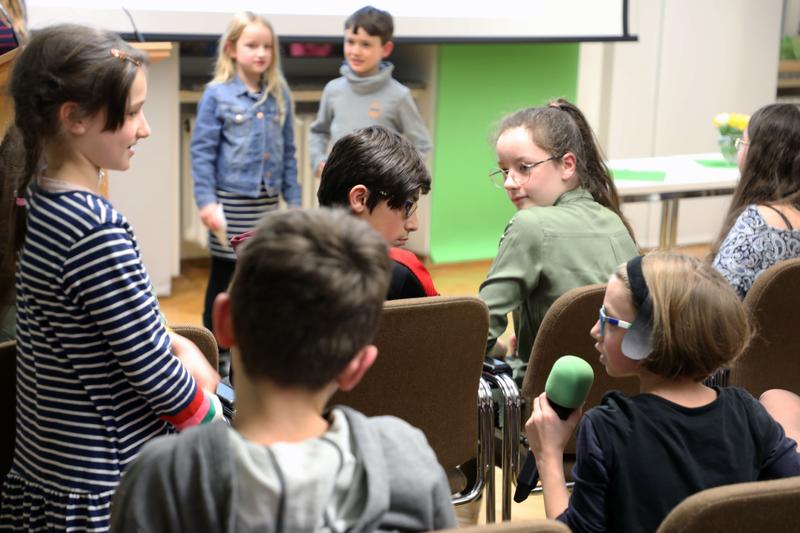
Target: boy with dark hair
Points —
{"points": [[378, 176], [366, 94], [302, 309]]}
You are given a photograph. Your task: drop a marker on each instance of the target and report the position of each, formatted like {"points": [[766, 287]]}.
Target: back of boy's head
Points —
{"points": [[65, 63], [699, 323], [383, 161], [374, 21], [306, 295]]}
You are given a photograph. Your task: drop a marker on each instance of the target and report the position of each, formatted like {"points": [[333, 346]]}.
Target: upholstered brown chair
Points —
{"points": [[565, 331], [773, 358], [8, 398], [428, 372], [521, 526], [204, 340], [744, 507]]}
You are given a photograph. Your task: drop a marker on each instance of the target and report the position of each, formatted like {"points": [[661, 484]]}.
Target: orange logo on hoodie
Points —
{"points": [[374, 110]]}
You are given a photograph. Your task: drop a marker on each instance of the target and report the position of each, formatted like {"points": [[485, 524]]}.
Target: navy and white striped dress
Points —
{"points": [[241, 214], [95, 376]]}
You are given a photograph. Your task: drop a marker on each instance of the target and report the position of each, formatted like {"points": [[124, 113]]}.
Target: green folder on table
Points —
{"points": [[715, 163], [638, 175]]}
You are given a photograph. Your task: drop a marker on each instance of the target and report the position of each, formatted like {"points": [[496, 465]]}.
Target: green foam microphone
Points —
{"points": [[566, 389], [568, 384]]}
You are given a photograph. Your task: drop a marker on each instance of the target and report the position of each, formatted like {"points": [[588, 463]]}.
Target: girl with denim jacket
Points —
{"points": [[243, 151]]}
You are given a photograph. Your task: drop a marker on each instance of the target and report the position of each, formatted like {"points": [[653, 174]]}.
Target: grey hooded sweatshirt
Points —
{"points": [[352, 102], [363, 474]]}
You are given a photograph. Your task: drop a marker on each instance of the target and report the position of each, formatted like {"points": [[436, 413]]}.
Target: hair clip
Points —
{"points": [[119, 54], [555, 105], [20, 201]]}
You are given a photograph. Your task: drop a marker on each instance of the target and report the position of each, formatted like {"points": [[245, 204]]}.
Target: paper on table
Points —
{"points": [[638, 175]]}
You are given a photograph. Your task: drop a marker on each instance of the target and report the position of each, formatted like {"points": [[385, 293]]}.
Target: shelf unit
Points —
{"points": [[788, 74]]}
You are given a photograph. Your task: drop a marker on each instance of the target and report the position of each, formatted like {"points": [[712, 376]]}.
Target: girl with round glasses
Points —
{"points": [[568, 230]]}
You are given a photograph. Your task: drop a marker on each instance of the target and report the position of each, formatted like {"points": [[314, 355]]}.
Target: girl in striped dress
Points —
{"points": [[96, 376], [243, 151]]}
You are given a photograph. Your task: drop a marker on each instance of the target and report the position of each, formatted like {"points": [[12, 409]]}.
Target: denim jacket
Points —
{"points": [[238, 143]]}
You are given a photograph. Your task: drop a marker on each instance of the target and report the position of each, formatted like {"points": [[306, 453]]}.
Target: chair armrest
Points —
{"points": [[496, 367]]}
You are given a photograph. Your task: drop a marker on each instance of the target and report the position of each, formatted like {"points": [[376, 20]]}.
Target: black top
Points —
{"points": [[404, 284], [639, 457]]}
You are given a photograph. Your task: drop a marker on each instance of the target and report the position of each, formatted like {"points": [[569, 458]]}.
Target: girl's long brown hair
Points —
{"points": [[771, 170]]}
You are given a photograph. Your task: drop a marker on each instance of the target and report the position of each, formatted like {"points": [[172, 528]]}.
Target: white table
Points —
{"points": [[685, 178]]}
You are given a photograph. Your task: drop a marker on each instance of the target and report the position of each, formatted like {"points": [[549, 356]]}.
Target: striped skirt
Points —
{"points": [[242, 214]]}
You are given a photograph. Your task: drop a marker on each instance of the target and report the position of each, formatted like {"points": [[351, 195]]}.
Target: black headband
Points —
{"points": [[641, 294], [638, 343]]}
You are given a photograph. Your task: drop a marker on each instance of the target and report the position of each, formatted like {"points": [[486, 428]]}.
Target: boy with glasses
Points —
{"points": [[379, 176]]}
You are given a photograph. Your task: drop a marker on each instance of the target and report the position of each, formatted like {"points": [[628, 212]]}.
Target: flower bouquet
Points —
{"points": [[731, 127]]}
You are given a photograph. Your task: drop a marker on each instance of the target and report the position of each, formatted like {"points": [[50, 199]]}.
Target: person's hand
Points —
{"points": [[195, 362], [208, 215], [547, 433], [318, 171], [512, 346]]}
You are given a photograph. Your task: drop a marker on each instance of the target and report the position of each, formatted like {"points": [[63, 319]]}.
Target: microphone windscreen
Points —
{"points": [[569, 381]]}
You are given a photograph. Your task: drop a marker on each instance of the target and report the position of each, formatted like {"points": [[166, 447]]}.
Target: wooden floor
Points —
{"points": [[185, 306]]}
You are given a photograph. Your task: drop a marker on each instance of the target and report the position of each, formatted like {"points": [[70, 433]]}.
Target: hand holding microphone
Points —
{"points": [[565, 391]]}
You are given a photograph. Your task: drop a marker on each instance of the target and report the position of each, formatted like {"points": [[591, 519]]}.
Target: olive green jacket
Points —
{"points": [[544, 252]]}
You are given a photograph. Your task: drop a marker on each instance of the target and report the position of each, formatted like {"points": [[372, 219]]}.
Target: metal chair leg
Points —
{"points": [[511, 429]]}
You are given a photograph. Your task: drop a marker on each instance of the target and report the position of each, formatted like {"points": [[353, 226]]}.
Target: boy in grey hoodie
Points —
{"points": [[299, 317], [366, 94]]}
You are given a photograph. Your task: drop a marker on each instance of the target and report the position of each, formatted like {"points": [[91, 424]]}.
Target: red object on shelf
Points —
{"points": [[310, 49]]}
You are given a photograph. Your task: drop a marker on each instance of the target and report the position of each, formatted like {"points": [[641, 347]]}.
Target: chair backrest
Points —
{"points": [[565, 331], [430, 358], [204, 340], [517, 526], [756, 506], [8, 398], [773, 358]]}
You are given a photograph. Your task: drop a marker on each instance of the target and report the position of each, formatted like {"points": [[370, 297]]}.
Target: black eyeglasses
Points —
{"points": [[522, 173], [409, 206]]}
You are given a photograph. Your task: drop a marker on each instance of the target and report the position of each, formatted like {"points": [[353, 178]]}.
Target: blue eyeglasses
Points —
{"points": [[611, 320]]}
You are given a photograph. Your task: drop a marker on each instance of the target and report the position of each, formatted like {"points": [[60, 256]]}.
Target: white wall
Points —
{"points": [[694, 59], [147, 193]]}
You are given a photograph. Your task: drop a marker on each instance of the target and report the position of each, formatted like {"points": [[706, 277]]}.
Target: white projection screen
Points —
{"points": [[415, 20]]}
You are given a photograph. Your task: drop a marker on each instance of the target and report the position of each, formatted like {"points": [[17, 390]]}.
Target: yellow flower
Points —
{"points": [[739, 121], [721, 120], [731, 123]]}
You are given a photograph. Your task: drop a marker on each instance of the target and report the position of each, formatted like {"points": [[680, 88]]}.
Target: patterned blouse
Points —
{"points": [[753, 246]]}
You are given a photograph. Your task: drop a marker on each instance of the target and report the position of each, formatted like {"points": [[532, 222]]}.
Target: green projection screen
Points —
{"points": [[478, 84]]}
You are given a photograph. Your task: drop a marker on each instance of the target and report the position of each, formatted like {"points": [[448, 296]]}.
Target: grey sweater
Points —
{"points": [[352, 102], [364, 474]]}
